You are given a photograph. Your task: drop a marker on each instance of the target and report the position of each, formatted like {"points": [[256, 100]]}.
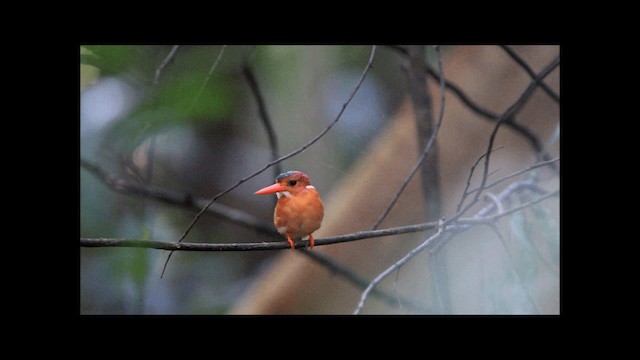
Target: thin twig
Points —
{"points": [[530, 71], [167, 60], [512, 110], [395, 290], [206, 80], [264, 116], [393, 300], [396, 266], [515, 209], [520, 172], [425, 151], [496, 201], [473, 168]]}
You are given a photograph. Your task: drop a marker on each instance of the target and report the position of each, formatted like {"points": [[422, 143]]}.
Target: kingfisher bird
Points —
{"points": [[299, 210]]}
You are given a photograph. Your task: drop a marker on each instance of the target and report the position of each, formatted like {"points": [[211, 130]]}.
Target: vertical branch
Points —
{"points": [[264, 116], [423, 110]]}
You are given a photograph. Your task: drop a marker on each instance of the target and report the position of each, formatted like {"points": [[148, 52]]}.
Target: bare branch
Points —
{"points": [[515, 209], [361, 283], [512, 110], [167, 60], [520, 172], [473, 168], [425, 152], [530, 71], [496, 202], [264, 116], [360, 235]]}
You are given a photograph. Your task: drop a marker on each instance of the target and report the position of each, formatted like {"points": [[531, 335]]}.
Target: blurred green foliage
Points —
{"points": [[112, 59]]}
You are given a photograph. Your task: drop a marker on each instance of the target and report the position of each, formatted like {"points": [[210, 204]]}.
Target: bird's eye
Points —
{"points": [[293, 182]]}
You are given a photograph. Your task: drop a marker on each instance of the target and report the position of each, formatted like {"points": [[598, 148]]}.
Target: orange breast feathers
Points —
{"points": [[299, 215], [299, 210]]}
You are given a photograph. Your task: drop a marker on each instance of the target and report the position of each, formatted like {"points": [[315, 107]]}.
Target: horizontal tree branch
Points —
{"points": [[184, 200], [161, 245], [280, 245]]}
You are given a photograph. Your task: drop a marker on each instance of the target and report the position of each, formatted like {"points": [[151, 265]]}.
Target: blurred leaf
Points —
{"points": [[126, 134], [171, 104], [187, 95], [110, 59], [88, 74]]}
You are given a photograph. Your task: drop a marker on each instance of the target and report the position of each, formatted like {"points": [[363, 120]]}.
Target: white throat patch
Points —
{"points": [[285, 193]]}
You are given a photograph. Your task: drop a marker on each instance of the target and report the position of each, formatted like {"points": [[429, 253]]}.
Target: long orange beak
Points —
{"points": [[272, 189]]}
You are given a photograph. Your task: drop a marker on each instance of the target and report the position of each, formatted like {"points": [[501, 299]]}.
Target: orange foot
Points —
{"points": [[293, 246], [310, 241]]}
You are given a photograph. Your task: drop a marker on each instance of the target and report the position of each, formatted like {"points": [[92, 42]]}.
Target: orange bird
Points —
{"points": [[299, 210]]}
